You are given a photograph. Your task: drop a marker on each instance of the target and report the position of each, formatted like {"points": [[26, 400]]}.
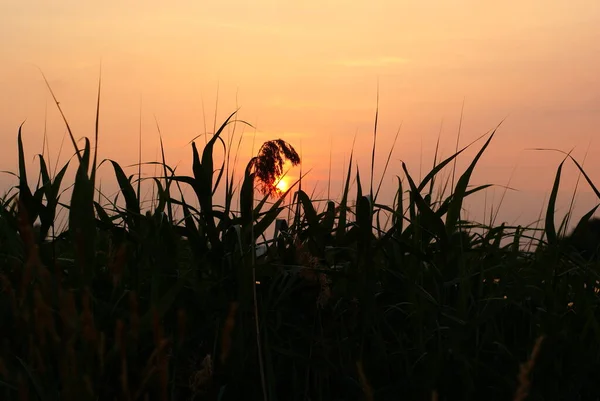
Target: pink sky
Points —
{"points": [[307, 72]]}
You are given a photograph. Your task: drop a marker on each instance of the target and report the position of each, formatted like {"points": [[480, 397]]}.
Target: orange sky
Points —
{"points": [[307, 71]]}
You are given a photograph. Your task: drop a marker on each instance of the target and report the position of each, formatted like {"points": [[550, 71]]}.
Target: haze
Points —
{"points": [[308, 72]]}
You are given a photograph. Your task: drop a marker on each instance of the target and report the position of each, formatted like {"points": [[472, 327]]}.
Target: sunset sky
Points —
{"points": [[307, 72]]}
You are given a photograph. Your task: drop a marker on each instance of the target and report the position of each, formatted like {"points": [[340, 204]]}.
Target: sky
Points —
{"points": [[314, 73]]}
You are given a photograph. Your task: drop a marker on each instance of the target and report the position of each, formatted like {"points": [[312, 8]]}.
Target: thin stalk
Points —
{"points": [[387, 162], [96, 129], [139, 191], [374, 139], [256, 321], [79, 157], [216, 109], [504, 194], [204, 119], [457, 142], [329, 174], [437, 148], [572, 203], [46, 146]]}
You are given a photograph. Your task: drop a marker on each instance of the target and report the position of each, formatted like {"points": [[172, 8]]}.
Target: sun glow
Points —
{"points": [[282, 185]]}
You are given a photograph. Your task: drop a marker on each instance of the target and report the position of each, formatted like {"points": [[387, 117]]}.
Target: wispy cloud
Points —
{"points": [[372, 62]]}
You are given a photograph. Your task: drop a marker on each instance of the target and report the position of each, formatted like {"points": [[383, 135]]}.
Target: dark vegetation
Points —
{"points": [[133, 304]]}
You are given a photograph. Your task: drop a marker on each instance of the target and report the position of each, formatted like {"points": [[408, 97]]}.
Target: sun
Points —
{"points": [[282, 185]]}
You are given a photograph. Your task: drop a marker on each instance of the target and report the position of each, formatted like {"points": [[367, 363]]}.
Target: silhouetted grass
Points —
{"points": [[135, 303]]}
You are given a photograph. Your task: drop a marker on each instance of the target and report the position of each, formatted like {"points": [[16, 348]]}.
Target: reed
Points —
{"points": [[131, 302]]}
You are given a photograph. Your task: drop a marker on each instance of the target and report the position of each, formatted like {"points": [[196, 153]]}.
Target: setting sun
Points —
{"points": [[282, 185]]}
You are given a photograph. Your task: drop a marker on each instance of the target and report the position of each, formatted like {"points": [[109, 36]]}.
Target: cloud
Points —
{"points": [[373, 62]]}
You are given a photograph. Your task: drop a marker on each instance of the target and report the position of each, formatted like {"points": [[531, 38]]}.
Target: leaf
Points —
{"points": [[461, 187], [105, 221], [247, 197], [162, 197], [341, 229], [329, 217], [57, 103], [440, 166], [221, 170], [399, 215], [96, 132], [131, 202], [202, 186], [550, 229], [82, 222], [25, 195], [309, 211], [207, 154], [430, 219], [51, 191], [583, 222], [358, 186]]}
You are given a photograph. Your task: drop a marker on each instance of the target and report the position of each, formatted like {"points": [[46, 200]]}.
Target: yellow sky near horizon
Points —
{"points": [[308, 72]]}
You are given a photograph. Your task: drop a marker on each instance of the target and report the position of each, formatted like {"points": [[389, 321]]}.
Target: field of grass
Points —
{"points": [[173, 301]]}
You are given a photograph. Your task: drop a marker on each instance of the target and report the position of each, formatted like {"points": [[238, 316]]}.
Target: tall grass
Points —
{"points": [[137, 303]]}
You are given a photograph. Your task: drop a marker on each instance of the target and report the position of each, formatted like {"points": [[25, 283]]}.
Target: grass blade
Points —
{"points": [[461, 187]]}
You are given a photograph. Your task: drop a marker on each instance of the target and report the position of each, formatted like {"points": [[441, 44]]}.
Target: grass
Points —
{"points": [[135, 303]]}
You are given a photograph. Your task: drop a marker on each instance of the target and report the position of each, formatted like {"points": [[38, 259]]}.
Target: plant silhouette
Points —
{"points": [[585, 239], [268, 164]]}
